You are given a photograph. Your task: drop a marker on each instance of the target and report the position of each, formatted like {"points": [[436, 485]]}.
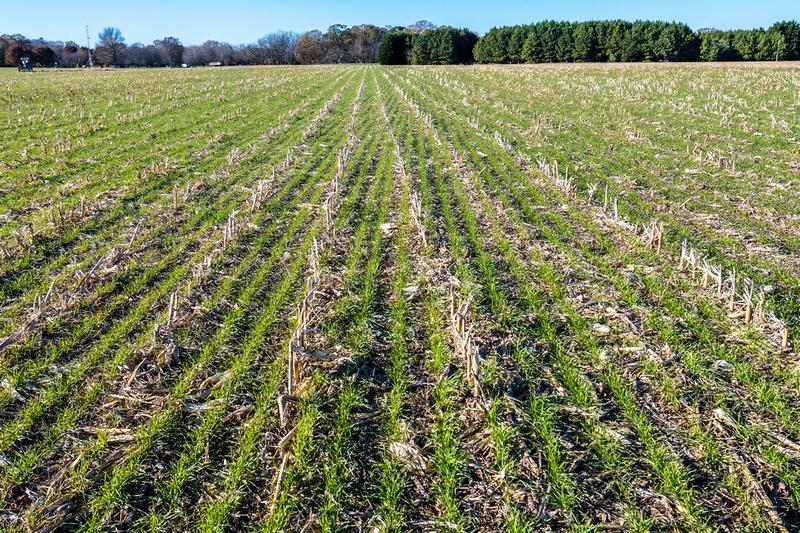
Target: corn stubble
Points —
{"points": [[428, 298]]}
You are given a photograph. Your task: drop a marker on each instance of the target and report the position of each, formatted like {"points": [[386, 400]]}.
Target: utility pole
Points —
{"points": [[89, 47]]}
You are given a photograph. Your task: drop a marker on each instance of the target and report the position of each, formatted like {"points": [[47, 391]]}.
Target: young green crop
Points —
{"points": [[613, 391]]}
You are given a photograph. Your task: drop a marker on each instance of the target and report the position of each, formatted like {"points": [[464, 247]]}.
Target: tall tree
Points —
{"points": [[309, 48], [422, 48], [44, 56], [532, 51], [109, 46], [746, 44], [6, 41], [676, 42], [393, 49], [564, 45], [516, 44], [615, 45], [334, 44], [4, 44], [278, 47], [172, 50], [15, 53], [550, 34], [632, 45], [361, 43], [443, 46], [584, 43], [790, 30]]}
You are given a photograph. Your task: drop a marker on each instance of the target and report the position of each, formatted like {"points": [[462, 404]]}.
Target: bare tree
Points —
{"points": [[209, 52], [109, 46], [219, 52], [172, 49], [278, 47], [68, 55], [250, 54], [195, 55], [140, 55]]}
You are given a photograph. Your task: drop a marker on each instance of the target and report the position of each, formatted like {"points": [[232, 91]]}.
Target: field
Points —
{"points": [[423, 298]]}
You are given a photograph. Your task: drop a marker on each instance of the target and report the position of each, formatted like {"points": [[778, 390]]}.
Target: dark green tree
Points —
{"points": [[532, 51], [632, 46], [549, 35], [745, 42], [422, 48], [563, 46], [676, 42], [584, 43], [615, 43], [394, 49], [716, 46], [516, 44], [443, 46], [790, 30]]}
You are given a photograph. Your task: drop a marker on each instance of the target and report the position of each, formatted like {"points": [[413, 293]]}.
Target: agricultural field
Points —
{"points": [[517, 298]]}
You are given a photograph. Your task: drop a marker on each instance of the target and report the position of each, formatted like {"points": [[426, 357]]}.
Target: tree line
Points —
{"points": [[424, 43], [621, 41], [427, 46], [780, 42], [111, 50], [337, 44]]}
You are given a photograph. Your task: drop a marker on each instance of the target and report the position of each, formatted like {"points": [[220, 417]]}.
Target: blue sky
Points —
{"points": [[238, 21]]}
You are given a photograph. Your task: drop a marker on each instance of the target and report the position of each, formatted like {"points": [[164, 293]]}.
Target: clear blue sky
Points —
{"points": [[238, 21]]}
